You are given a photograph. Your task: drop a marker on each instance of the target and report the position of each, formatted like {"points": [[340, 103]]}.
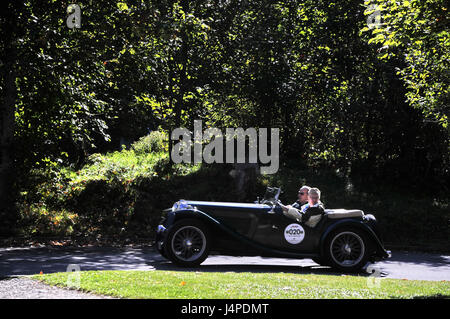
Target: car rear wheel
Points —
{"points": [[187, 243], [347, 249]]}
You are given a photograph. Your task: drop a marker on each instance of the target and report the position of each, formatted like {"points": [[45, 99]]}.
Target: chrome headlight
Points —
{"points": [[181, 204]]}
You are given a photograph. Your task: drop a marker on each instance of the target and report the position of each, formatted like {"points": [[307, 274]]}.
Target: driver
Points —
{"points": [[302, 197], [310, 213]]}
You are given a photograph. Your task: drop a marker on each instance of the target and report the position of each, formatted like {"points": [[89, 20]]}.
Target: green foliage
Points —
{"points": [[302, 66], [114, 195], [155, 142], [418, 30], [370, 104], [40, 221]]}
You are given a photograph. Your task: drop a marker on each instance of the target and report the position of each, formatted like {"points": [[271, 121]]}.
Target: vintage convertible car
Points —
{"points": [[191, 230]]}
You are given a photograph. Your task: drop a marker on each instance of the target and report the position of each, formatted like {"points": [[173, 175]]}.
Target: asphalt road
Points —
{"points": [[28, 261]]}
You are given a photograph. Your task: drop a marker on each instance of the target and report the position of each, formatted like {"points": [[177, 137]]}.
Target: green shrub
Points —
{"points": [[154, 142], [40, 220], [114, 195], [163, 166]]}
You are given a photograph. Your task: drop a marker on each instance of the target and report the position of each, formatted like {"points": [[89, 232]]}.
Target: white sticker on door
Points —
{"points": [[294, 233]]}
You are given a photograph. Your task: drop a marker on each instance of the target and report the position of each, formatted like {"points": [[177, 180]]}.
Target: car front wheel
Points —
{"points": [[187, 243], [347, 249]]}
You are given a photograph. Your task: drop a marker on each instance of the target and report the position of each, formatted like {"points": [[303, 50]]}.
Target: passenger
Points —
{"points": [[314, 209], [311, 213]]}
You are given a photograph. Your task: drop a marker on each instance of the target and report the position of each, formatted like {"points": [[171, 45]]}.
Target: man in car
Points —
{"points": [[314, 209], [310, 213], [302, 197]]}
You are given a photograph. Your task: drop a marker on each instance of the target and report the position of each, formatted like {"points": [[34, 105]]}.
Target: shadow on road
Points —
{"points": [[255, 268], [419, 258], [30, 261]]}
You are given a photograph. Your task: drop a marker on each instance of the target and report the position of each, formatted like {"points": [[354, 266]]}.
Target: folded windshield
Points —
{"points": [[271, 195]]}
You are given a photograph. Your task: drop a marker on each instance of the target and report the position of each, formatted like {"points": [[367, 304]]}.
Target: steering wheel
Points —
{"points": [[268, 202]]}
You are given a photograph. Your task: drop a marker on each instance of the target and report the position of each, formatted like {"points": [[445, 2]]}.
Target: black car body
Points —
{"points": [[191, 230]]}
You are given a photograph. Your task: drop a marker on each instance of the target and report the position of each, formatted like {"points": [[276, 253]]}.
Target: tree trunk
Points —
{"points": [[7, 123], [7, 129]]}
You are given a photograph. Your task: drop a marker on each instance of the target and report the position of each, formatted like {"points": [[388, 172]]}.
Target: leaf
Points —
{"points": [[122, 6]]}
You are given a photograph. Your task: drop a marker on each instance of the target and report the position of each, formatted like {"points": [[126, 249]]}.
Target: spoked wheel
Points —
{"points": [[347, 250], [187, 243]]}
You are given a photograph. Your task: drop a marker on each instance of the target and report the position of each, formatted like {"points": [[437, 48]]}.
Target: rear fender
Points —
{"points": [[358, 224]]}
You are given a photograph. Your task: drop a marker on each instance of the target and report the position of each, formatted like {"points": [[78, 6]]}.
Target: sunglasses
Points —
{"points": [[301, 193]]}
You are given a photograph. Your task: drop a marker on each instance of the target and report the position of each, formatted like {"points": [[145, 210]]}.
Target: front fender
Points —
{"points": [[381, 252], [192, 213]]}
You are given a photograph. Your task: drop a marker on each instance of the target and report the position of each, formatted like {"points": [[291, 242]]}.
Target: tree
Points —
{"points": [[419, 31]]}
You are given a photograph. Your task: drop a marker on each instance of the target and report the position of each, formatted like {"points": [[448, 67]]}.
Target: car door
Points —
{"points": [[277, 231]]}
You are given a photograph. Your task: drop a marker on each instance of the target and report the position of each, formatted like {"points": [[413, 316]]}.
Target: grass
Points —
{"points": [[210, 285]]}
